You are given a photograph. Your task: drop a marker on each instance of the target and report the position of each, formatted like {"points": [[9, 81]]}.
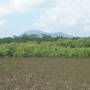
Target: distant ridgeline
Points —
{"points": [[44, 45], [36, 35]]}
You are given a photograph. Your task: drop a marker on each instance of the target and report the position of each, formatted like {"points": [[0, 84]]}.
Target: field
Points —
{"points": [[43, 49], [44, 74], [32, 46]]}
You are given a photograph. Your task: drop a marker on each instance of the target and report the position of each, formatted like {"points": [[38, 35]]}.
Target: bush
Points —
{"points": [[44, 49]]}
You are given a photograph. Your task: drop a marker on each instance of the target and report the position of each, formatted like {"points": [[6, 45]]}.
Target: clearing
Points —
{"points": [[44, 74]]}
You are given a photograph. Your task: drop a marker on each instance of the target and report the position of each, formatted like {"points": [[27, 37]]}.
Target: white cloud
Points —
{"points": [[65, 13], [14, 6], [26, 4], [58, 15]]}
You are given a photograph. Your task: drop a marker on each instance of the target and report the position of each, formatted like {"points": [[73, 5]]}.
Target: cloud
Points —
{"points": [[70, 16], [65, 13], [14, 6]]}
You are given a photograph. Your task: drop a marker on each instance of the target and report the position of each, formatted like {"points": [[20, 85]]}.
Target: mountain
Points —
{"points": [[40, 33], [35, 32]]}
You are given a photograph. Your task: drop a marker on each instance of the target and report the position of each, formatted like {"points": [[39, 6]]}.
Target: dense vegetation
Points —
{"points": [[45, 46]]}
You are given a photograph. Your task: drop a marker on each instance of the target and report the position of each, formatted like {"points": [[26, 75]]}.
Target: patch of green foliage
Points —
{"points": [[32, 46], [45, 49]]}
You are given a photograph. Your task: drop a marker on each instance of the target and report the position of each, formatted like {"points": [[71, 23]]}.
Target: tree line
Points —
{"points": [[45, 46]]}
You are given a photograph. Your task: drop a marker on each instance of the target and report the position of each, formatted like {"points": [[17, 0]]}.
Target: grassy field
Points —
{"points": [[44, 74]]}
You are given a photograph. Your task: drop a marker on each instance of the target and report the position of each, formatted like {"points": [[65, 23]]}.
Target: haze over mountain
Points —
{"points": [[54, 34]]}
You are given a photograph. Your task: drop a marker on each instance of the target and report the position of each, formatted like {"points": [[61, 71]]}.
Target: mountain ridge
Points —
{"points": [[54, 34]]}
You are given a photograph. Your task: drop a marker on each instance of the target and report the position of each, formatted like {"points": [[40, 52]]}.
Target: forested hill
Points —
{"points": [[36, 35], [52, 34]]}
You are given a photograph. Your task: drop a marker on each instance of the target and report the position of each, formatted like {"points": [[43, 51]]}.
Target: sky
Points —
{"points": [[68, 16]]}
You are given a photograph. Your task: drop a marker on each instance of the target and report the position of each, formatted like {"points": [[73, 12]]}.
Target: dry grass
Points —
{"points": [[44, 74]]}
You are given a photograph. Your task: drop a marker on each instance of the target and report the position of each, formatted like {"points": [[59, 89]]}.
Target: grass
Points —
{"points": [[44, 74]]}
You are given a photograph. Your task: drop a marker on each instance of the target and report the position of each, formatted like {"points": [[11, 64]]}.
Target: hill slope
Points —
{"points": [[40, 33]]}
